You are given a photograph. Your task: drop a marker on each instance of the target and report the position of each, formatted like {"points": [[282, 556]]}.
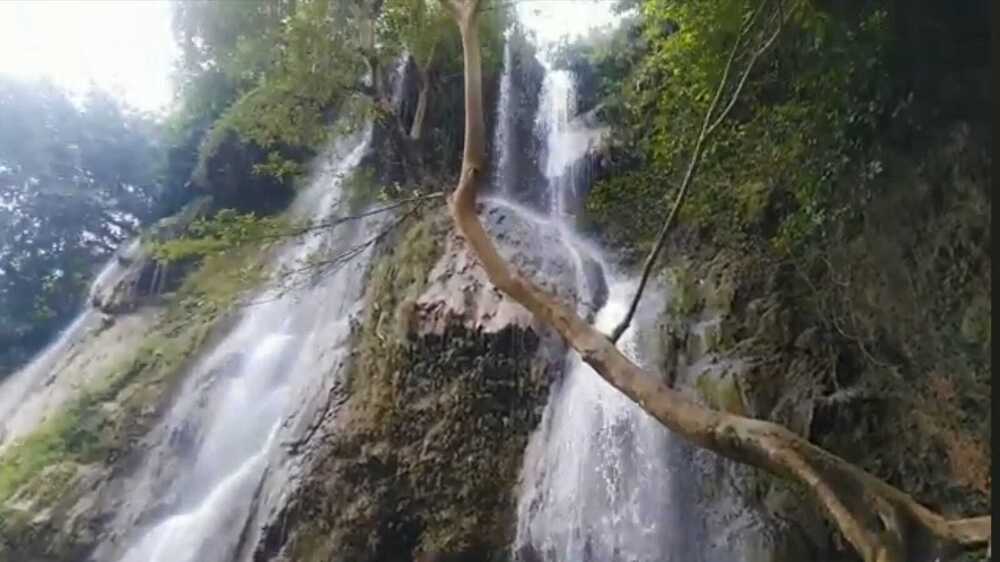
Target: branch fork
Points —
{"points": [[882, 523]]}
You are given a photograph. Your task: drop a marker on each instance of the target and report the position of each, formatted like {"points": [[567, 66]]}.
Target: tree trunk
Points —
{"points": [[420, 114], [882, 523]]}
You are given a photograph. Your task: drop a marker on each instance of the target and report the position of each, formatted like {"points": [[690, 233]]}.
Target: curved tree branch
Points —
{"points": [[883, 523]]}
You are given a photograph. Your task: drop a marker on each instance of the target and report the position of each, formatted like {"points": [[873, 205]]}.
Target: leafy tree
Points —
{"points": [[261, 83], [74, 183], [421, 27], [795, 133], [225, 48]]}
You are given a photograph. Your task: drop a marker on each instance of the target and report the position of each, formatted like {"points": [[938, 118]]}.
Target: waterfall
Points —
{"points": [[503, 138], [222, 438], [567, 142], [397, 80], [18, 412], [597, 483]]}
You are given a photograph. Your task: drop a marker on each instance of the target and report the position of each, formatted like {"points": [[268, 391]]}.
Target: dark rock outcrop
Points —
{"points": [[433, 474], [521, 145], [421, 456], [139, 274]]}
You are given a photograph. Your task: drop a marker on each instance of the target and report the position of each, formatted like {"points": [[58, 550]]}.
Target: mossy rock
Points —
{"points": [[429, 441], [719, 288], [977, 322], [721, 391], [685, 297]]}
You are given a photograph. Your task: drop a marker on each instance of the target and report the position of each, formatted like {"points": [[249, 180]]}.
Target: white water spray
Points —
{"points": [[248, 388], [18, 412], [596, 484], [502, 147]]}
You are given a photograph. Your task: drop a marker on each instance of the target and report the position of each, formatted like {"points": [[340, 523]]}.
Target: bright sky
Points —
{"points": [[127, 47], [553, 19], [122, 46]]}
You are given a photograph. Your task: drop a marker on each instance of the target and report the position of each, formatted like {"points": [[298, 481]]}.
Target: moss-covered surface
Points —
{"points": [[838, 225], [44, 474], [875, 346], [435, 473], [426, 450]]}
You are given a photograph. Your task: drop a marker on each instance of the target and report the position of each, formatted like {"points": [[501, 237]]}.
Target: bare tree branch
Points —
{"points": [[883, 523], [746, 71], [707, 128], [326, 225], [292, 277]]}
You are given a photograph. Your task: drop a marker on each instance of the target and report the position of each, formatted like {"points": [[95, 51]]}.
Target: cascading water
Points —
{"points": [[17, 410], [238, 403], [398, 79], [597, 483], [564, 144], [502, 138]]}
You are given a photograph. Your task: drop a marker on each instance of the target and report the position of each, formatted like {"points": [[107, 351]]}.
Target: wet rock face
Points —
{"points": [[714, 345], [138, 275], [72, 507], [459, 292], [417, 453], [143, 277], [522, 146], [432, 476]]}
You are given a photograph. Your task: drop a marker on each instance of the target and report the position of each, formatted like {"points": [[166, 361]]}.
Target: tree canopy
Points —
{"points": [[269, 78], [75, 181]]}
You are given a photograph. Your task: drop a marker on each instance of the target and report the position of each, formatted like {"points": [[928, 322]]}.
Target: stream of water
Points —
{"points": [[16, 412], [227, 422], [597, 483]]}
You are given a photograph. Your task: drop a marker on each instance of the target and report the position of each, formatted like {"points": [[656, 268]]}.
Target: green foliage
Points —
{"points": [[231, 232], [257, 82], [424, 29], [776, 168], [225, 47], [360, 188], [279, 167], [394, 282], [75, 181], [601, 61], [221, 279], [85, 431], [226, 231], [317, 69], [72, 435], [261, 83], [853, 171]]}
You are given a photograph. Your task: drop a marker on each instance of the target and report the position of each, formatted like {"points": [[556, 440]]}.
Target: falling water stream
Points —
{"points": [[502, 137], [239, 400], [18, 410], [597, 482]]}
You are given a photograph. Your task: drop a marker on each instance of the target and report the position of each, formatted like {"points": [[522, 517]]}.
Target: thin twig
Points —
{"points": [[324, 225], [333, 264], [707, 128], [746, 72], [330, 265]]}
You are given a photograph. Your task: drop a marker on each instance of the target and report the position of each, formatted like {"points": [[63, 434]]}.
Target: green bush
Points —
{"points": [[797, 134]]}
